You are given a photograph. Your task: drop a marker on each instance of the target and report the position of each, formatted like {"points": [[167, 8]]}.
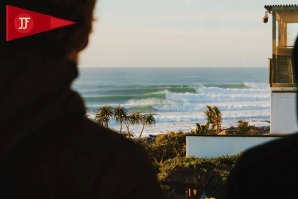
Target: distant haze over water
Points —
{"points": [[179, 95]]}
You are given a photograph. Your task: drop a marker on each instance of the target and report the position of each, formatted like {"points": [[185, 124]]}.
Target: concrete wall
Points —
{"points": [[214, 146], [283, 113]]}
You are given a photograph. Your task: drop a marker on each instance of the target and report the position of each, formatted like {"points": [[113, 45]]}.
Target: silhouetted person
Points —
{"points": [[48, 149], [269, 170]]}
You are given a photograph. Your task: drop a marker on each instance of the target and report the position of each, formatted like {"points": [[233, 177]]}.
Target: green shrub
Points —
{"points": [[203, 129], [244, 128], [166, 146], [167, 151], [219, 167]]}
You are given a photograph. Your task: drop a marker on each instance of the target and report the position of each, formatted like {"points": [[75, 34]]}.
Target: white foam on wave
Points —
{"points": [[256, 85], [217, 97], [200, 117], [218, 91], [254, 92], [180, 117], [144, 102], [246, 115], [223, 106]]}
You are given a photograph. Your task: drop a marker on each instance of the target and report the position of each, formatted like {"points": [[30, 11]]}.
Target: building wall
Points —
{"points": [[215, 146], [283, 113]]}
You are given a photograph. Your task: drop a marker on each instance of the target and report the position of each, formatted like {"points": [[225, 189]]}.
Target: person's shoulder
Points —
{"points": [[277, 147], [265, 171], [114, 157], [277, 152], [93, 138]]}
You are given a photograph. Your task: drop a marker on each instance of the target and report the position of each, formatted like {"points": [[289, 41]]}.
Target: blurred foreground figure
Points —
{"points": [[269, 170], [48, 149]]}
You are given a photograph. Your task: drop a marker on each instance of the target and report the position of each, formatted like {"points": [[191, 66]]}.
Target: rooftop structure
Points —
{"points": [[192, 181], [282, 81]]}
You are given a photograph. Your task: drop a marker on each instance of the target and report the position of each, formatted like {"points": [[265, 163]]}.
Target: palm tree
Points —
{"points": [[214, 117], [127, 124], [135, 117], [104, 115], [132, 118], [146, 120], [217, 119], [120, 113], [209, 115]]}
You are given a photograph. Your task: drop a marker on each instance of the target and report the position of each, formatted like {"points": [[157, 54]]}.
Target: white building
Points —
{"points": [[282, 81], [283, 92]]}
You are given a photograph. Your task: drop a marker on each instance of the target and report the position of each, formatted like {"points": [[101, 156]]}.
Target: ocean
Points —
{"points": [[178, 96]]}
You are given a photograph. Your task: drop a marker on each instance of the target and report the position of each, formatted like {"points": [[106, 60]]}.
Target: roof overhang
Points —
{"points": [[288, 7]]}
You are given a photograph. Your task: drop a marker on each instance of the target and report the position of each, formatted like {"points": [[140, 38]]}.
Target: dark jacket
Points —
{"points": [[72, 157], [267, 171], [49, 150]]}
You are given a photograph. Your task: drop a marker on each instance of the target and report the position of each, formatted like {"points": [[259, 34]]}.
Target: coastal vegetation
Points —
{"points": [[167, 152], [217, 169], [244, 128], [203, 129], [120, 114], [165, 146], [106, 113], [214, 118], [213, 125]]}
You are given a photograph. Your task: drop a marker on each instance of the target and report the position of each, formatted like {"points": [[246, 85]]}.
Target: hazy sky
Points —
{"points": [[180, 33]]}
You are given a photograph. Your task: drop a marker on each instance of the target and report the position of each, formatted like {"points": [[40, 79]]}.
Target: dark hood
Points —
{"points": [[33, 91]]}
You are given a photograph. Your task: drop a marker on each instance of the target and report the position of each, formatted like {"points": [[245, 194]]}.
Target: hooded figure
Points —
{"points": [[269, 170], [48, 149]]}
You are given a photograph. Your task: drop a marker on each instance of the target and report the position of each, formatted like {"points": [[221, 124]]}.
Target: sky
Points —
{"points": [[179, 33]]}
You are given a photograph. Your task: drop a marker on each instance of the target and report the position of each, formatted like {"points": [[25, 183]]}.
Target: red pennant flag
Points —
{"points": [[23, 23]]}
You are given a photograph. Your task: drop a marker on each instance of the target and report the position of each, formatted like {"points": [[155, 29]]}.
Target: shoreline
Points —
{"points": [[162, 128]]}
